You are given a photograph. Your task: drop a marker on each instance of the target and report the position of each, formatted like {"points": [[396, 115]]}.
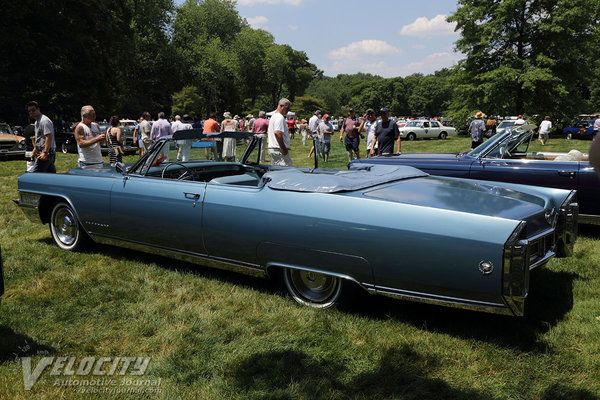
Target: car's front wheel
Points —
{"points": [[569, 136], [411, 136], [312, 289], [65, 228], [443, 135]]}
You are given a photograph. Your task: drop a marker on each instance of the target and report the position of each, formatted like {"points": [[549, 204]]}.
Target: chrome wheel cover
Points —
{"points": [[65, 227], [312, 288]]}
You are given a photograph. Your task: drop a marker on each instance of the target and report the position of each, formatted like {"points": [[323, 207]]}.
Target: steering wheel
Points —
{"points": [[186, 172]]}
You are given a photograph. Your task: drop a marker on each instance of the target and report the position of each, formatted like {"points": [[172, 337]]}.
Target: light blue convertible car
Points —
{"points": [[390, 230]]}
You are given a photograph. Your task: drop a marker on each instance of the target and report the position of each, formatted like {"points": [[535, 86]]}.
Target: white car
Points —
{"points": [[421, 129]]}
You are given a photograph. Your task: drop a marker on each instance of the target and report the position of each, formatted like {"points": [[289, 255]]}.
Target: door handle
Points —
{"points": [[192, 196], [570, 174]]}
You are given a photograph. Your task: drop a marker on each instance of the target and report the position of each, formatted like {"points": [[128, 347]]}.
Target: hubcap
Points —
{"points": [[312, 286], [65, 226]]}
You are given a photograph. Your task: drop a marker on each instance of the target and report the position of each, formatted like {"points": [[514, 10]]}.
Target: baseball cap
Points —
{"points": [[350, 109], [325, 116], [370, 111], [520, 116], [318, 112], [384, 110]]}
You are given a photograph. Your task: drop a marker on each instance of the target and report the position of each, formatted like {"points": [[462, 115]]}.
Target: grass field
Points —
{"points": [[211, 334]]}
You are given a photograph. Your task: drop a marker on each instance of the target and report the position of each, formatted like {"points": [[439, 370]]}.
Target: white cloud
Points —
{"points": [[363, 49], [293, 27], [257, 22], [431, 63], [251, 3], [388, 67], [423, 27]]}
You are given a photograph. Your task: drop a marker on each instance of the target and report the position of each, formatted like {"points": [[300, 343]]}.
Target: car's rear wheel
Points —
{"points": [[65, 228], [312, 289], [569, 136], [411, 136], [443, 135]]}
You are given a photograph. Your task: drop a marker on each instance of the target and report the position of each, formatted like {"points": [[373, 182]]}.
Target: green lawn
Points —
{"points": [[212, 335]]}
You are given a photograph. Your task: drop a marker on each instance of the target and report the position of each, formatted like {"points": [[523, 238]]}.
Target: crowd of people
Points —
{"points": [[274, 131], [380, 131]]}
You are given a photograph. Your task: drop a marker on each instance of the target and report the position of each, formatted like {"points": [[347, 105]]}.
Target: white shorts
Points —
{"points": [[277, 158]]}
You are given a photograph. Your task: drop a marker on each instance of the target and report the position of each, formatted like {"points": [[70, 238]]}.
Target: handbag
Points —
{"points": [[117, 149]]}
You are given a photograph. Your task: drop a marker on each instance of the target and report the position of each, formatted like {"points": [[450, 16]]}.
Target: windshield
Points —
{"points": [[4, 128], [501, 145], [506, 124], [193, 153]]}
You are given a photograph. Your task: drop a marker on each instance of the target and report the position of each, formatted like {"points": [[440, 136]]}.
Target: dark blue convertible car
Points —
{"points": [[505, 157]]}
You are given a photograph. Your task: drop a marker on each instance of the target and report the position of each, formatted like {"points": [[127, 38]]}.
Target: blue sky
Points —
{"points": [[385, 37]]}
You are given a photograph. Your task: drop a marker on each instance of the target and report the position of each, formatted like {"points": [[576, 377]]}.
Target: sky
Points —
{"points": [[383, 37]]}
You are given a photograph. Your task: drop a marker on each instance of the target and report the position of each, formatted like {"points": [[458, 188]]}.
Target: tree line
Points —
{"points": [[128, 56]]}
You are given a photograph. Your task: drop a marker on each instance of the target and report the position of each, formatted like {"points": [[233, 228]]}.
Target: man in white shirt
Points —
{"points": [[544, 130], [596, 125], [520, 120], [313, 127], [176, 124], [278, 135]]}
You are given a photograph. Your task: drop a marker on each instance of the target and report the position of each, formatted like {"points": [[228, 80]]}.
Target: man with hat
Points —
{"points": [[386, 132], [350, 128], [476, 129], [520, 120]]}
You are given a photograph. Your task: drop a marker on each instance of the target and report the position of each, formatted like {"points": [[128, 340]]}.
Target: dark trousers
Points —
{"points": [[46, 165]]}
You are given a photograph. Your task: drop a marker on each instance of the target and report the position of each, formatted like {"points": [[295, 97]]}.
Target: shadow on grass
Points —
{"points": [[238, 279], [14, 345], [550, 298], [399, 373], [589, 231], [291, 374]]}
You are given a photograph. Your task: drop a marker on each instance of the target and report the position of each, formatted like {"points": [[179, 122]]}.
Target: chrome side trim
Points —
{"points": [[367, 286], [195, 258], [589, 219], [456, 302]]}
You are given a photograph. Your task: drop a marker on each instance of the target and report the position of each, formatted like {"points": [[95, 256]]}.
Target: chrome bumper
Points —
{"points": [[11, 152], [521, 255], [566, 226], [30, 205]]}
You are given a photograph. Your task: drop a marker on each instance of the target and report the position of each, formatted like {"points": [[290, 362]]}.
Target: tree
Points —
{"points": [[305, 106], [203, 35], [188, 101], [250, 48], [523, 55]]}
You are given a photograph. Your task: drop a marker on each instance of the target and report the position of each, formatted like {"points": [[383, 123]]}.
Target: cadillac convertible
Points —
{"points": [[390, 230], [505, 157]]}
